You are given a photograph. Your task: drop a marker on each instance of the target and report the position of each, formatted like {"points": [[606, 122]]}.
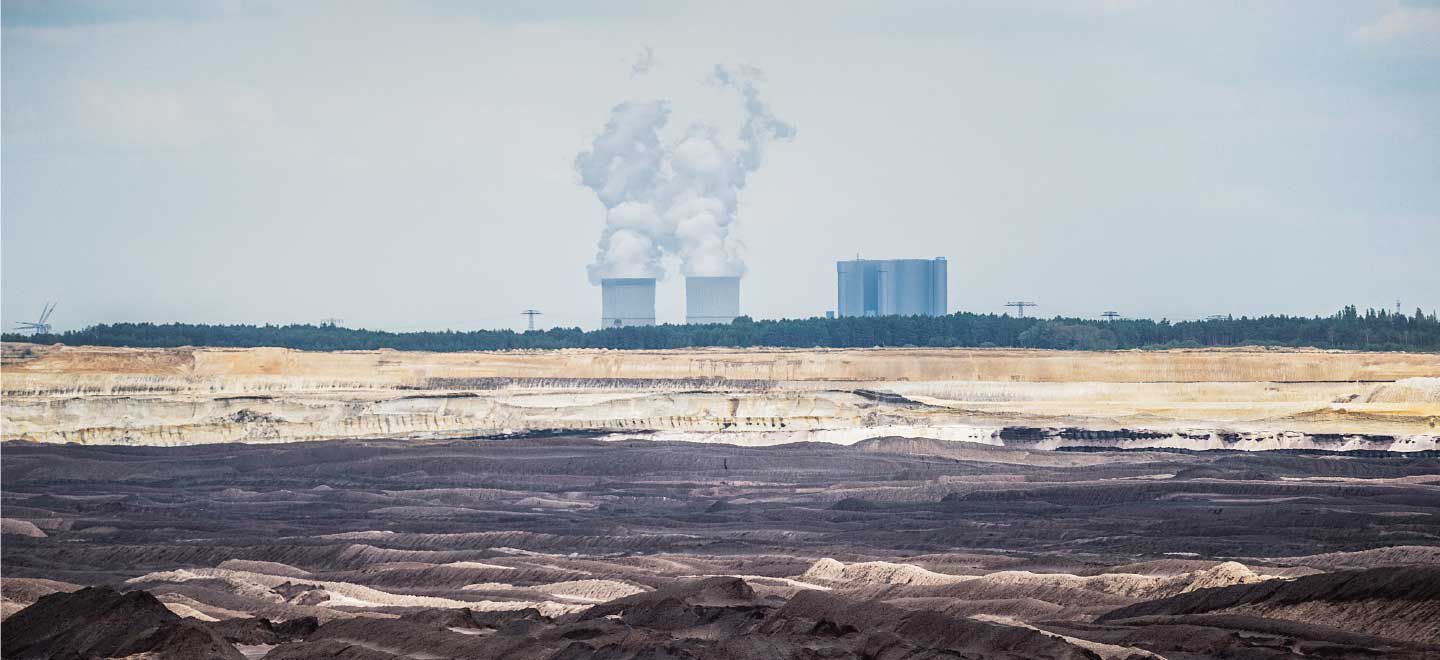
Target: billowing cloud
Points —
{"points": [[677, 198]]}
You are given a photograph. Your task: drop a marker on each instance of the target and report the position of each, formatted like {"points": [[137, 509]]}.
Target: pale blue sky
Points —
{"points": [[409, 166]]}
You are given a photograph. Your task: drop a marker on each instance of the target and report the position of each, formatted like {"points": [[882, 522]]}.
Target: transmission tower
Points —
{"points": [[531, 313], [332, 321], [1111, 316], [1020, 307]]}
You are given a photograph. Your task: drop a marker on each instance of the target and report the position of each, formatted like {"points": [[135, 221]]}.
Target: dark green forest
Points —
{"points": [[1348, 329]]}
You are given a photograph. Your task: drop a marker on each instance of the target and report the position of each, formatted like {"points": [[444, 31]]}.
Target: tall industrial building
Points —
{"points": [[712, 299], [627, 301], [891, 287]]}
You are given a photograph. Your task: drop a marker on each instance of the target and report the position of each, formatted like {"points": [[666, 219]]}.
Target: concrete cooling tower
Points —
{"points": [[712, 299], [627, 301]]}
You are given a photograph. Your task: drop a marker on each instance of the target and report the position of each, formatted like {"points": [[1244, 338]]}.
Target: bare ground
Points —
{"points": [[577, 547]]}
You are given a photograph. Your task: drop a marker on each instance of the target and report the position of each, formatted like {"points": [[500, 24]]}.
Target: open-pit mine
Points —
{"points": [[884, 503], [1200, 399]]}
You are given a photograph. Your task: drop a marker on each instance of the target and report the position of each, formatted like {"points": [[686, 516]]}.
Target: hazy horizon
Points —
{"points": [[410, 167]]}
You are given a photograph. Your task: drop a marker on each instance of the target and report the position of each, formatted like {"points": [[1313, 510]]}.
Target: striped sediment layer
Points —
{"points": [[1196, 399]]}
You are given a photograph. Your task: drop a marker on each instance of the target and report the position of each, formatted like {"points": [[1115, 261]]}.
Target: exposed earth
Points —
{"points": [[719, 504], [1251, 398], [557, 547]]}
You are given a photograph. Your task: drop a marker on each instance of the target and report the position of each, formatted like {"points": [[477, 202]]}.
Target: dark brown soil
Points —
{"points": [[270, 534]]}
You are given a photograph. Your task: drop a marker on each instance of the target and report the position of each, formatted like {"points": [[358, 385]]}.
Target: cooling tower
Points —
{"points": [[712, 299], [627, 301]]}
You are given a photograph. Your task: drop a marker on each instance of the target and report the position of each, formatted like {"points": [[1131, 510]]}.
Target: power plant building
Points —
{"points": [[627, 302], [892, 287], [712, 299]]}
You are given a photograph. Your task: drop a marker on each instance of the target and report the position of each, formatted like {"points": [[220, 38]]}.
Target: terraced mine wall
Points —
{"points": [[1195, 399], [889, 364]]}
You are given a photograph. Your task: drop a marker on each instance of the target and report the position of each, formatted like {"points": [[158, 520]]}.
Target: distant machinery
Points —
{"points": [[627, 302], [891, 287], [712, 299], [40, 326], [1020, 306], [531, 314]]}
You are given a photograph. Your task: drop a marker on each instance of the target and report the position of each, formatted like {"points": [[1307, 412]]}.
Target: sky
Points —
{"points": [[411, 166]]}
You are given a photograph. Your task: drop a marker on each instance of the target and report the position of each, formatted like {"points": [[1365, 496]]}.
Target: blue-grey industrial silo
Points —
{"points": [[855, 282], [892, 287], [627, 301], [712, 299]]}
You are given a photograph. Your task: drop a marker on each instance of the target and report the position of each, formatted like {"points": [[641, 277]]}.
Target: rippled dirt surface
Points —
{"points": [[559, 545]]}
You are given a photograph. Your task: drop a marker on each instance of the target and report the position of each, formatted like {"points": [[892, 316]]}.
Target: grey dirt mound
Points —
{"points": [[719, 618], [99, 622], [259, 630], [1397, 602]]}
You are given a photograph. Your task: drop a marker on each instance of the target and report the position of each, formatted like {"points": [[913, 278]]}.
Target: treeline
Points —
{"points": [[1348, 329]]}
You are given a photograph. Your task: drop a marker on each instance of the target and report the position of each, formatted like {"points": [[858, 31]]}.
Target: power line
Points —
{"points": [[531, 313], [1020, 306]]}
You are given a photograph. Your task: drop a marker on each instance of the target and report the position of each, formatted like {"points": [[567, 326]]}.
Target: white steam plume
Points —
{"points": [[622, 166], [675, 198], [644, 62]]}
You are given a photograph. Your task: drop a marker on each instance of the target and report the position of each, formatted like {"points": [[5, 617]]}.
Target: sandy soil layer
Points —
{"points": [[1241, 398], [397, 367]]}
